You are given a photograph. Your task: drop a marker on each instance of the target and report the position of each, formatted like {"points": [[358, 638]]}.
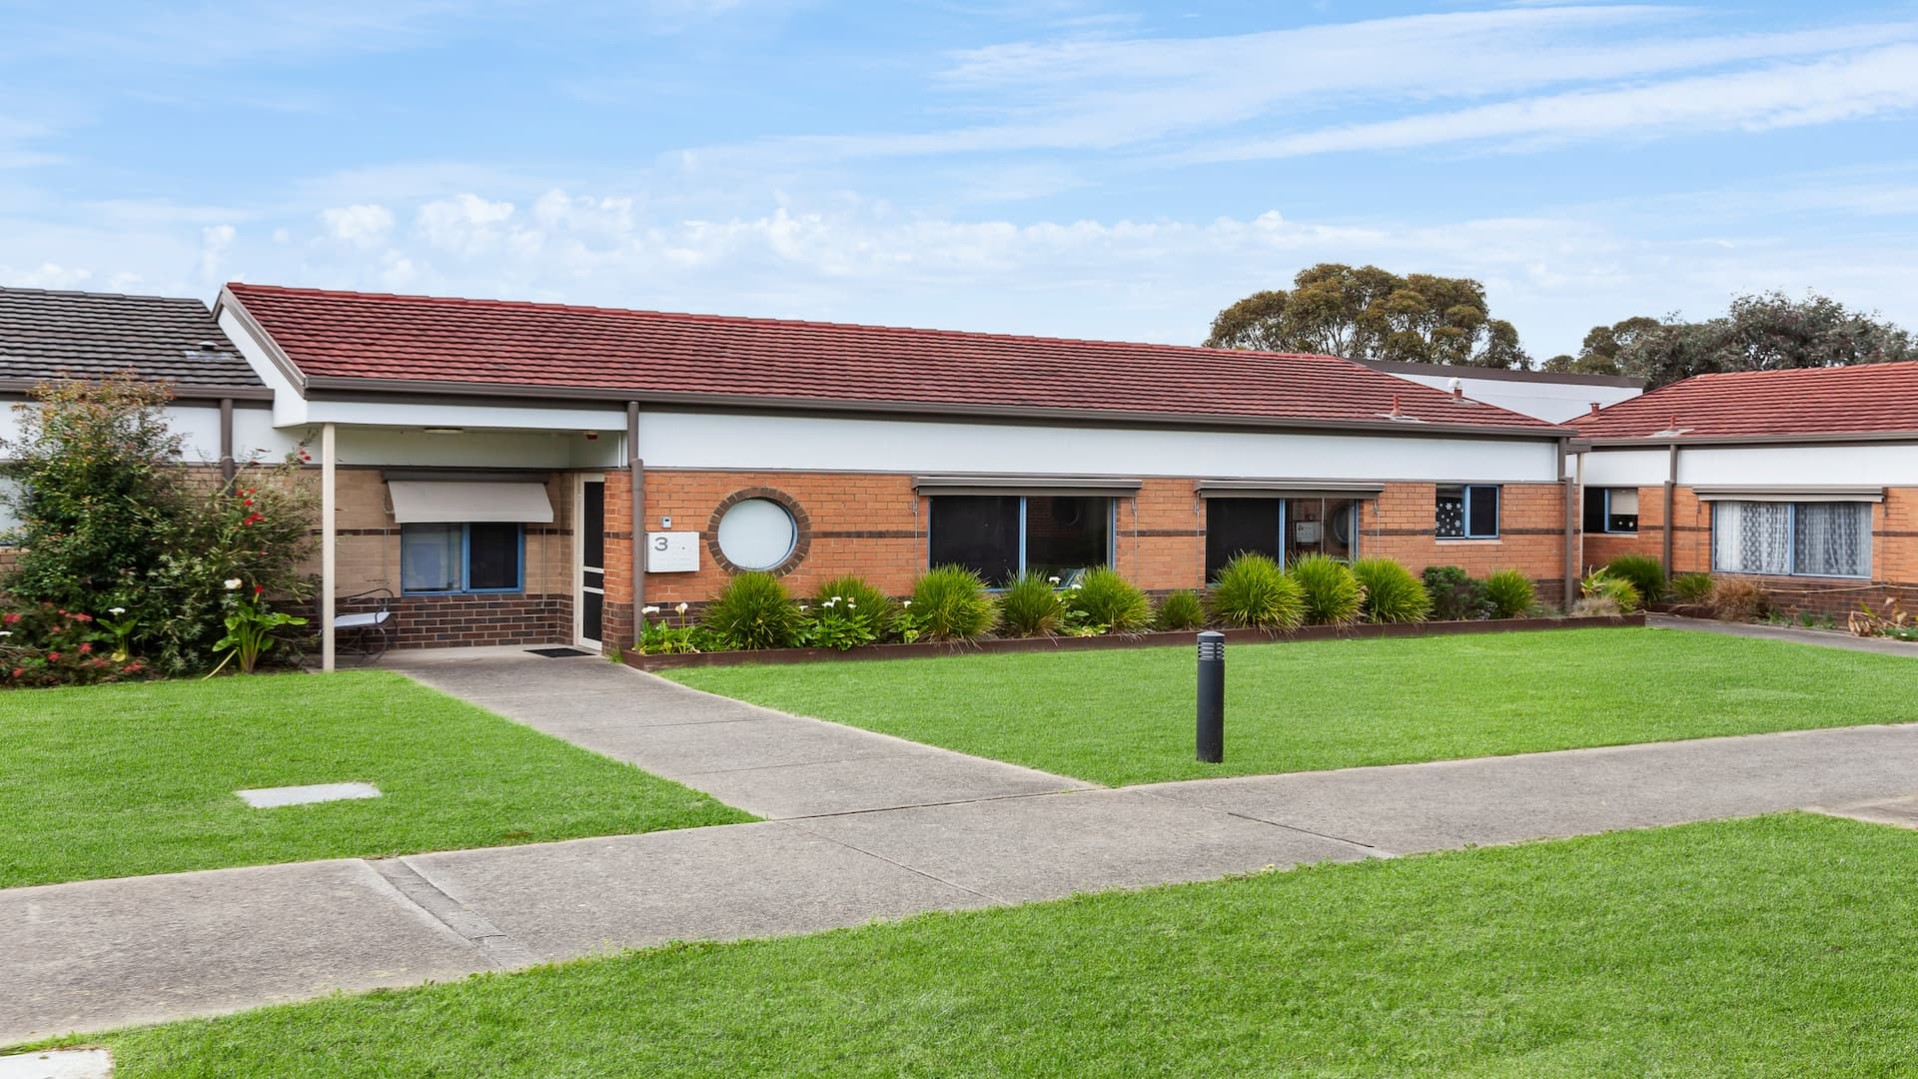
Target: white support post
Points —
{"points": [[329, 545]]}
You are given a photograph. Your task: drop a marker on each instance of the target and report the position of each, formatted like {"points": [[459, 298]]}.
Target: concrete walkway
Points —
{"points": [[1821, 638], [97, 954]]}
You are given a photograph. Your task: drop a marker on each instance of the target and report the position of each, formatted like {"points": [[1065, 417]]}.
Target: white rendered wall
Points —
{"points": [[1553, 402], [1626, 468], [797, 443], [1890, 464]]}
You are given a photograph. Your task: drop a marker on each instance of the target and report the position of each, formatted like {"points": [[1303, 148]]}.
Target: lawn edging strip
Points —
{"points": [[925, 649]]}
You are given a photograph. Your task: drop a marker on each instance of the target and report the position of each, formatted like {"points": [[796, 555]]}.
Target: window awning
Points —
{"points": [[1287, 489], [1107, 486], [1789, 494], [463, 501]]}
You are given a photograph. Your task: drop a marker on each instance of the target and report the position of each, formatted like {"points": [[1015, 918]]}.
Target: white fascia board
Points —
{"points": [[497, 417], [289, 408], [1880, 464], [1627, 468], [732, 441]]}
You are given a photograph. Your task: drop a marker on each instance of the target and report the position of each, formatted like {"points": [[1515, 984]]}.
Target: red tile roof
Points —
{"points": [[655, 356], [1805, 401]]}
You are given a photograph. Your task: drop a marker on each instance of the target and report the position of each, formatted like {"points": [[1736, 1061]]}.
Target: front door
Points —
{"points": [[592, 560]]}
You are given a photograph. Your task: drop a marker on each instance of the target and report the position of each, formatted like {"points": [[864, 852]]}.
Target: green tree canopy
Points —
{"points": [[1767, 331], [1367, 313]]}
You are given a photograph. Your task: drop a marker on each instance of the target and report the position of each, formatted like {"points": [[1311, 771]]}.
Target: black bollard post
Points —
{"points": [[1212, 696]]}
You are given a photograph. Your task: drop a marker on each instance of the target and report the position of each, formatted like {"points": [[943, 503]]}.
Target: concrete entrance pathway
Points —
{"points": [[892, 829], [768, 763]]}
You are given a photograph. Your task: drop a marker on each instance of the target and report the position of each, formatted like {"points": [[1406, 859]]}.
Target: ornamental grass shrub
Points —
{"points": [[1179, 610], [1646, 573], [753, 611], [1332, 595], [1692, 589], [1738, 600], [1031, 606], [865, 607], [1101, 597], [1456, 597], [1253, 592], [1602, 585], [949, 603], [1509, 594], [1392, 594]]}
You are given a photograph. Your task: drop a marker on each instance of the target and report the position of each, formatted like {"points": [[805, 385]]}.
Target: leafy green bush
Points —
{"points": [[1392, 594], [1602, 585], [1103, 598], [1253, 591], [1031, 607], [1646, 573], [754, 611], [110, 526], [1692, 589], [1179, 610], [1509, 594], [949, 603], [1456, 597], [1332, 595], [868, 609]]}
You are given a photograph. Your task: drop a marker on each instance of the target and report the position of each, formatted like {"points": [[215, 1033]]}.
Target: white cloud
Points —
{"points": [[362, 224], [1783, 95], [465, 224], [215, 241]]}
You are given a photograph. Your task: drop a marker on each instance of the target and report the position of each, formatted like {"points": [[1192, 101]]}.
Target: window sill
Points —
{"points": [[1467, 540]]}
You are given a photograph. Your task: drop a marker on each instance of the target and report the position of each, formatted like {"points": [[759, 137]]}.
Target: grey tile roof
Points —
{"points": [[92, 335]]}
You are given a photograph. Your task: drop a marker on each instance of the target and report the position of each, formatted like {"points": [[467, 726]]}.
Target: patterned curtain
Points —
{"points": [[1834, 539], [1752, 537]]}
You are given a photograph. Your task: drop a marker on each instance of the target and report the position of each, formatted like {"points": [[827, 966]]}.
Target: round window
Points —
{"points": [[757, 534]]}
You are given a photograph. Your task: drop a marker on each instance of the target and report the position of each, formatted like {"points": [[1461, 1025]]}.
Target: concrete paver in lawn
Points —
{"points": [[97, 954], [1444, 804], [585, 896], [768, 763]]}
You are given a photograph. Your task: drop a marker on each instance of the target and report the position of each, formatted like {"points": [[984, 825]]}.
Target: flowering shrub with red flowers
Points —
{"points": [[113, 526], [44, 645]]}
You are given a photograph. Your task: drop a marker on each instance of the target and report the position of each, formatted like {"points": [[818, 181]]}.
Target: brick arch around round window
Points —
{"points": [[802, 529]]}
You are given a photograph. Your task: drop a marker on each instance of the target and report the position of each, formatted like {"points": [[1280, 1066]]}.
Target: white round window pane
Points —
{"points": [[757, 534]]}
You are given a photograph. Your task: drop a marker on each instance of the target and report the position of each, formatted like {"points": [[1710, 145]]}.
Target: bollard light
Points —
{"points": [[1212, 696]]}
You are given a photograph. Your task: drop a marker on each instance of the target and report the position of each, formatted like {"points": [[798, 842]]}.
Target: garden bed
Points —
{"points": [[1114, 640]]}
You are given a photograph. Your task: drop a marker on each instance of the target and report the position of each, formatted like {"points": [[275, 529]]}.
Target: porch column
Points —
{"points": [[638, 476], [329, 545]]}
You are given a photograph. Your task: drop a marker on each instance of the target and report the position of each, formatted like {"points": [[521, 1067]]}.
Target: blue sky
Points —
{"points": [[1059, 167]]}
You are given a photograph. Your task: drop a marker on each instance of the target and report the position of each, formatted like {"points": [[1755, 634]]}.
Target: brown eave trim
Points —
{"points": [[836, 406], [1027, 483], [1750, 440], [214, 394]]}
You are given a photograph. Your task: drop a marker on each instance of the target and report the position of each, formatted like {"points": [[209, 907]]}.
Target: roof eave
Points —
{"points": [[1801, 438], [178, 390], [275, 355], [921, 408]]}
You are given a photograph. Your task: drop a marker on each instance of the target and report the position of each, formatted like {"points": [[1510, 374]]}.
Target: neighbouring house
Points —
{"points": [[1804, 480], [1545, 395], [538, 473], [220, 408]]}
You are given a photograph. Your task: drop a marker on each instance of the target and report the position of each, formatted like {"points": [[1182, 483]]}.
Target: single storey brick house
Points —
{"points": [[536, 473], [1804, 480]]}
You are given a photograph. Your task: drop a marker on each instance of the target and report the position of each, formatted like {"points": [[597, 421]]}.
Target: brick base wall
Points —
{"points": [[469, 621]]}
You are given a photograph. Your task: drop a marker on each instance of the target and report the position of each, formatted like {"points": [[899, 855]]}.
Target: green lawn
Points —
{"points": [[115, 781], [1776, 946], [1127, 716]]}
